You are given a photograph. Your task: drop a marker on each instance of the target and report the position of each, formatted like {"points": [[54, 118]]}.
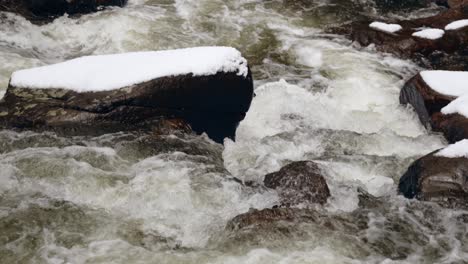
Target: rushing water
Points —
{"points": [[130, 198]]}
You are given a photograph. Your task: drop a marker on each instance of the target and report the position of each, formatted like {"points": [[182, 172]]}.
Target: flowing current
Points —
{"points": [[123, 198]]}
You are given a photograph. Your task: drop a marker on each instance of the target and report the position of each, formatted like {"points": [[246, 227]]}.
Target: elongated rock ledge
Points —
{"points": [[208, 88]]}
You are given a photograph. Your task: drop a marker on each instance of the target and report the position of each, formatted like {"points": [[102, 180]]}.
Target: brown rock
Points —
{"points": [[213, 104], [449, 52], [299, 182], [436, 178], [454, 126], [455, 3]]}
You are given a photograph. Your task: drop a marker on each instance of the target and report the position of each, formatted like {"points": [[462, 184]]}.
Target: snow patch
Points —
{"points": [[457, 150], [389, 28], [430, 33], [451, 83], [108, 72], [457, 24], [459, 105]]}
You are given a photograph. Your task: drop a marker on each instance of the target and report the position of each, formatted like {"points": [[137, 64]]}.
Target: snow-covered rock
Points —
{"points": [[389, 28], [425, 100], [108, 72], [439, 176], [457, 24], [429, 33], [209, 88], [438, 98], [432, 48], [451, 83]]}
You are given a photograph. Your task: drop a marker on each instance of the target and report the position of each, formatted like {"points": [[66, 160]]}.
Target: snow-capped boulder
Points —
{"points": [[47, 10], [440, 176], [438, 98], [210, 88], [299, 183], [423, 40], [423, 98]]}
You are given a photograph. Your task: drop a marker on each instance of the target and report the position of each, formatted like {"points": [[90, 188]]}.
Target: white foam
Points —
{"points": [[457, 150], [457, 24], [108, 72], [429, 33], [309, 56], [452, 83], [389, 28]]}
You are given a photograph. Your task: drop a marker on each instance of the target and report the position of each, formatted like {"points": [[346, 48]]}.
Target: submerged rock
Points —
{"points": [[437, 178], [448, 52], [46, 10], [212, 103], [298, 183]]}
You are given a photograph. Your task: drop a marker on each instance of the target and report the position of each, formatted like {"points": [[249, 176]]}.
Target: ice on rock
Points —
{"points": [[109, 72]]}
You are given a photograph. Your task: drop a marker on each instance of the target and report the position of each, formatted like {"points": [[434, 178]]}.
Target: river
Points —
{"points": [[122, 198]]}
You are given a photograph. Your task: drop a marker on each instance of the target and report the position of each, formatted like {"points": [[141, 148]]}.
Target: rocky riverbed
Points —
{"points": [[336, 144]]}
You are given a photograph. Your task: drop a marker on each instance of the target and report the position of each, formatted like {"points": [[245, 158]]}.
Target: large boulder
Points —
{"points": [[212, 102], [448, 52], [438, 177], [429, 104], [46, 10], [299, 183]]}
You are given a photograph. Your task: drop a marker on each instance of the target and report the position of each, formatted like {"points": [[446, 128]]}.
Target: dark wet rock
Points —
{"points": [[396, 5], [454, 126], [436, 178], [46, 10], [378, 227], [213, 104], [428, 105], [455, 3], [448, 53], [299, 182]]}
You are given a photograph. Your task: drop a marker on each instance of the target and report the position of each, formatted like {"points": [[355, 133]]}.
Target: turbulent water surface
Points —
{"points": [[130, 198]]}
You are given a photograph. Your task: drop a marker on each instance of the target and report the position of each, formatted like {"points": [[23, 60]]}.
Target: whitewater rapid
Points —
{"points": [[123, 198]]}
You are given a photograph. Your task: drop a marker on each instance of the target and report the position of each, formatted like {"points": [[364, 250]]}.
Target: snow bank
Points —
{"points": [[452, 83], [457, 24], [430, 33], [390, 28], [457, 150], [108, 72]]}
